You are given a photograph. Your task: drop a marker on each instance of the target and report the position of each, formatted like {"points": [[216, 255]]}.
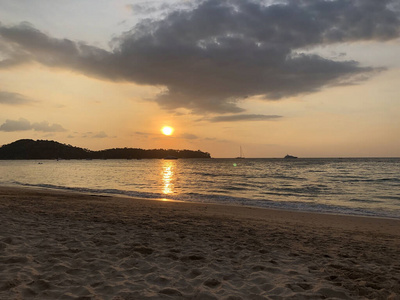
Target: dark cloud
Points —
{"points": [[27, 44], [46, 127], [23, 125], [189, 136], [141, 8], [221, 51], [244, 117], [158, 10], [141, 133], [100, 135], [149, 7], [16, 125], [95, 135], [13, 98]]}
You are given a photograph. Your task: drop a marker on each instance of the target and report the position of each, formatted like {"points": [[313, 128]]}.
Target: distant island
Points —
{"points": [[44, 149]]}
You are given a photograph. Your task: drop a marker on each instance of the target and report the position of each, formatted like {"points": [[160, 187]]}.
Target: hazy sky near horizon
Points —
{"points": [[310, 78]]}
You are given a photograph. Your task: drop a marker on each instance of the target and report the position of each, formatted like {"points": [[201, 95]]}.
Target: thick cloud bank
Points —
{"points": [[221, 51]]}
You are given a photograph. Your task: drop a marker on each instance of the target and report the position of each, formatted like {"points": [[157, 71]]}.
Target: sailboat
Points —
{"points": [[241, 156]]}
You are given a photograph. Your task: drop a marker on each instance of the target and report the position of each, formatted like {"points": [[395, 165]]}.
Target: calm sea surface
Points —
{"points": [[368, 187]]}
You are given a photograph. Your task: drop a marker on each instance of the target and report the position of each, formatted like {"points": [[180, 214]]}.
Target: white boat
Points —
{"points": [[241, 156]]}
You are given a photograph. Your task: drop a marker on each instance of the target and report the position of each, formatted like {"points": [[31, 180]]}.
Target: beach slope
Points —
{"points": [[60, 245]]}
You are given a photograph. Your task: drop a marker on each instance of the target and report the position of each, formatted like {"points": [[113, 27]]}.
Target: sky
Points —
{"points": [[310, 78]]}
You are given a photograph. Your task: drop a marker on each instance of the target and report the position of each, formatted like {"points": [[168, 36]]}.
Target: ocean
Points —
{"points": [[352, 186]]}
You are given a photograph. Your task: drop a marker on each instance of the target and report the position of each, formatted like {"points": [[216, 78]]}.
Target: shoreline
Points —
{"points": [[59, 244], [88, 191]]}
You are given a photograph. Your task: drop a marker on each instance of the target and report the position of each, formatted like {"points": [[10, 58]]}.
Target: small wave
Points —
{"points": [[309, 190], [234, 188], [206, 174], [96, 191], [364, 200], [389, 197], [288, 177], [214, 175], [280, 194], [389, 179], [376, 180]]}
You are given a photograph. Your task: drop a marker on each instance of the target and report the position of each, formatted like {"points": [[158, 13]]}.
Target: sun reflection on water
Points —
{"points": [[168, 176]]}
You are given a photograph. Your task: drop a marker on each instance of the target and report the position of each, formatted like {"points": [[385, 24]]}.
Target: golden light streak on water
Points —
{"points": [[168, 176]]}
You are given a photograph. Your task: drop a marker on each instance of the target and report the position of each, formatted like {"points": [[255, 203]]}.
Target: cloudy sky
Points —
{"points": [[311, 78]]}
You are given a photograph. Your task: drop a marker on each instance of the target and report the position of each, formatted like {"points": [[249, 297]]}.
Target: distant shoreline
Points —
{"points": [[45, 149]]}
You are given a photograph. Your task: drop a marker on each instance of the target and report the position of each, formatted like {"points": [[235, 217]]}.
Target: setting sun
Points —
{"points": [[167, 130]]}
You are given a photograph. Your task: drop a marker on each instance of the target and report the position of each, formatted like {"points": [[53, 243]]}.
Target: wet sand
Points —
{"points": [[60, 245]]}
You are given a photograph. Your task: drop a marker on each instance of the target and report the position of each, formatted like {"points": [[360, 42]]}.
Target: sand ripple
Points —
{"points": [[60, 246]]}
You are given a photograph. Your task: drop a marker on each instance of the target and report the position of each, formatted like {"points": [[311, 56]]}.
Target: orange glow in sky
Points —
{"points": [[131, 80]]}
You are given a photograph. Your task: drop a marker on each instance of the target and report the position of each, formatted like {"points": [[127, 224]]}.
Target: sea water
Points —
{"points": [[356, 186]]}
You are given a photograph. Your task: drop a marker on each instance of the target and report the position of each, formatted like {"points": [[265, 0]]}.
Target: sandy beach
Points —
{"points": [[60, 245]]}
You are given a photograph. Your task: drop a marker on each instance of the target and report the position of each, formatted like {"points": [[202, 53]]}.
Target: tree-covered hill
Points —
{"points": [[43, 149]]}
